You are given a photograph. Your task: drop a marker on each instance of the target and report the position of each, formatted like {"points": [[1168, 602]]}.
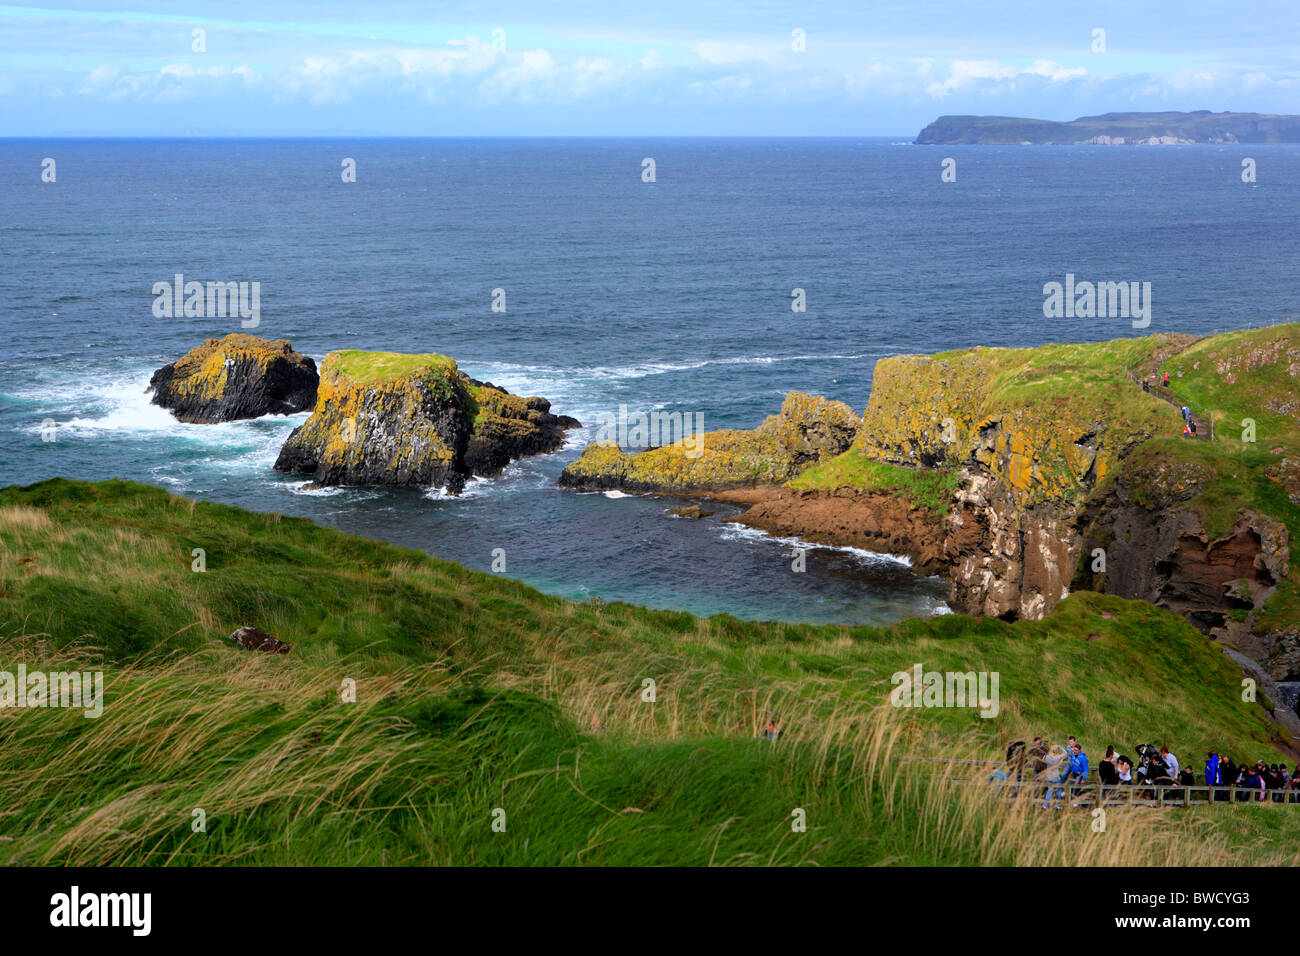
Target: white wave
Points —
{"points": [[939, 610], [529, 377], [618, 494], [732, 531], [317, 492]]}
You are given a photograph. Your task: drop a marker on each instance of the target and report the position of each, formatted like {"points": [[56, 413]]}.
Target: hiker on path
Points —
{"points": [[1166, 381], [1187, 431], [1146, 385], [1213, 777]]}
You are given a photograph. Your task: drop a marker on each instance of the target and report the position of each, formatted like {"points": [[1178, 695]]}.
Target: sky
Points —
{"points": [[609, 68]]}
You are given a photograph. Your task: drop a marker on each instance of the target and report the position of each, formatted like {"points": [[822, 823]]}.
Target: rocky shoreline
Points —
{"points": [[1018, 475]]}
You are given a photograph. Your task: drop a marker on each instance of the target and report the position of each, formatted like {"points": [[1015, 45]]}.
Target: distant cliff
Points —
{"points": [[1114, 129]]}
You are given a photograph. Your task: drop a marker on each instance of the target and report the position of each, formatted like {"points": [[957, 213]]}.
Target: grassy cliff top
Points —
{"points": [[475, 691], [363, 368]]}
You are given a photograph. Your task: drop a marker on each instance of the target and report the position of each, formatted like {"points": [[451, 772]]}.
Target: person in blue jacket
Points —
{"points": [[1213, 776], [1078, 766]]}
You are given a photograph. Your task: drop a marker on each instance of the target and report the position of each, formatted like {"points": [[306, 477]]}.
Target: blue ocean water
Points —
{"points": [[673, 295]]}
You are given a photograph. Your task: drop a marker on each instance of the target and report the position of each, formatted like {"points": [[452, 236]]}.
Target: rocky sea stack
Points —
{"points": [[388, 418], [808, 429], [236, 377]]}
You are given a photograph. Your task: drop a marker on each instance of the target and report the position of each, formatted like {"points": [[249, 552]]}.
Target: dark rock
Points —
{"points": [[236, 377], [252, 639]]}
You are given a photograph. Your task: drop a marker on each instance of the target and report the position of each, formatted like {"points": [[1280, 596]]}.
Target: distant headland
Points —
{"points": [[1114, 129]]}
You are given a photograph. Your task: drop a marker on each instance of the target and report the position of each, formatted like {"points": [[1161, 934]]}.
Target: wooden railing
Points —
{"points": [[1095, 793]]}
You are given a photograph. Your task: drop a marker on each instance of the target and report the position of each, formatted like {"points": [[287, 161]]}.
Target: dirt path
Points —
{"points": [[1166, 395]]}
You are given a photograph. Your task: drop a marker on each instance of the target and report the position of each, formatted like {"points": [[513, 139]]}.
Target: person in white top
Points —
{"points": [[1171, 762]]}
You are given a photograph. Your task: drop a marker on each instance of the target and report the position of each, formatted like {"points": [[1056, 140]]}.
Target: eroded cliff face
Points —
{"points": [[1005, 560], [1158, 550]]}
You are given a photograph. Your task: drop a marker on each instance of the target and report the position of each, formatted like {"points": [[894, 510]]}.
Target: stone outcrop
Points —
{"points": [[807, 430], [385, 418], [236, 377], [1005, 561], [872, 520]]}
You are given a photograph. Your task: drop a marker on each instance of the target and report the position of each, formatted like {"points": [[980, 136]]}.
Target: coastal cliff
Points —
{"points": [[236, 377], [1114, 129], [1022, 475], [387, 418]]}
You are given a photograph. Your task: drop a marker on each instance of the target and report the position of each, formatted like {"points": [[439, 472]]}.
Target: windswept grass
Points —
{"points": [[475, 693]]}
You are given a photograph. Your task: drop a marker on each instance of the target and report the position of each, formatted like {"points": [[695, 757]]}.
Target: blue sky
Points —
{"points": [[599, 67]]}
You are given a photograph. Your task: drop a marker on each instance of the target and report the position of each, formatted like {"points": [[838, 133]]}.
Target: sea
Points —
{"points": [[667, 286]]}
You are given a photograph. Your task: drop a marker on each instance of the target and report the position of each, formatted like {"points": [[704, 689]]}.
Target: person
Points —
{"points": [[1039, 752], [1187, 413], [1106, 769], [1170, 761], [1187, 430], [1057, 766], [1016, 758], [1166, 381], [1124, 770], [1186, 778], [1146, 385], [770, 730], [997, 774], [1212, 777], [1295, 785], [1191, 424], [1078, 767]]}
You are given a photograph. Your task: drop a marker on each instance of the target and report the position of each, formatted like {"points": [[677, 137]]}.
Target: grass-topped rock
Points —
{"points": [[390, 418], [236, 377], [808, 429]]}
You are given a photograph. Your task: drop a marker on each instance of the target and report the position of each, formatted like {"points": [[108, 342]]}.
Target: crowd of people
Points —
{"points": [[1062, 770]]}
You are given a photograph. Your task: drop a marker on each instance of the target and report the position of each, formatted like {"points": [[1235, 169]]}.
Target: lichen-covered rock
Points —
{"points": [[387, 418], [508, 426], [807, 430], [811, 427], [236, 377]]}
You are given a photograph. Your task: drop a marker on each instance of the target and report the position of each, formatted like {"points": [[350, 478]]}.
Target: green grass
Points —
{"points": [[931, 488], [474, 692], [372, 367]]}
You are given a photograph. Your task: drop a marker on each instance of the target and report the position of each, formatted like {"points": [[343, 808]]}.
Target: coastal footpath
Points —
{"points": [[1022, 475]]}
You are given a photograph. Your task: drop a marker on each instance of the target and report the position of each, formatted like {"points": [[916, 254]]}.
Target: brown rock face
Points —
{"points": [[1005, 561], [876, 521], [1166, 556]]}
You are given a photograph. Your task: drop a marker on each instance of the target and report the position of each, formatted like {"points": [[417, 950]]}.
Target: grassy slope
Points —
{"points": [[475, 692]]}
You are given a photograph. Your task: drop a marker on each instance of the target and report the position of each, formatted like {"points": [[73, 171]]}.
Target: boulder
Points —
{"points": [[236, 377], [250, 638]]}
